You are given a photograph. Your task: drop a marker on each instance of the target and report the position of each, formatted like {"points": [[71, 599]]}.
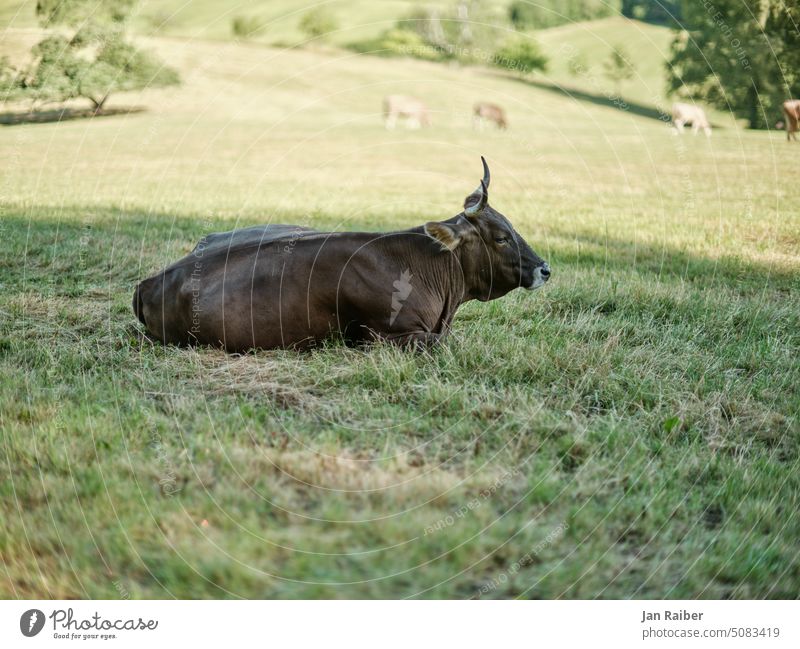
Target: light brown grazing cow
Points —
{"points": [[485, 112], [791, 108], [288, 286], [411, 109], [683, 114]]}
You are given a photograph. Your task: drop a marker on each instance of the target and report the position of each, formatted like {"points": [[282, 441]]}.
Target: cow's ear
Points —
{"points": [[448, 236], [476, 202]]}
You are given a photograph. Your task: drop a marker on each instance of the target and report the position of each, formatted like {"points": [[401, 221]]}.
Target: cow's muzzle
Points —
{"points": [[540, 275]]}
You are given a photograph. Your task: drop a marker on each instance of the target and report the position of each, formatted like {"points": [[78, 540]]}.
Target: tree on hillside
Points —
{"points": [[578, 65], [739, 56], [466, 30], [541, 14], [521, 54], [619, 67], [246, 26], [318, 23], [91, 59]]}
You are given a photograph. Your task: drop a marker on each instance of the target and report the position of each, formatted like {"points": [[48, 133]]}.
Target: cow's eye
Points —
{"points": [[501, 240]]}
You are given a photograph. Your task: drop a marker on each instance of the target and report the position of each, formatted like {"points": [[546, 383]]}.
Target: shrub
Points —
{"points": [[400, 41], [541, 14], [520, 54], [619, 67], [578, 65], [318, 23], [246, 26]]}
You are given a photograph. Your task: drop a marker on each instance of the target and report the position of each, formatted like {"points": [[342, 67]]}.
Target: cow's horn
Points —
{"points": [[476, 207], [486, 177]]}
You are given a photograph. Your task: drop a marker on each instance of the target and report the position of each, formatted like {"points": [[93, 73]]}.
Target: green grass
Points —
{"points": [[628, 431]]}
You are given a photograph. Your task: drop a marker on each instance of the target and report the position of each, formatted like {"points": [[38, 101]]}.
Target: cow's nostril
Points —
{"points": [[545, 271]]}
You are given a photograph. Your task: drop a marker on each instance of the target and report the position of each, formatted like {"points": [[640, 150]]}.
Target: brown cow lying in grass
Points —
{"points": [[286, 286]]}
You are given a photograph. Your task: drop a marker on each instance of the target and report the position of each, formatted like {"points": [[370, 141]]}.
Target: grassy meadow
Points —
{"points": [[628, 431]]}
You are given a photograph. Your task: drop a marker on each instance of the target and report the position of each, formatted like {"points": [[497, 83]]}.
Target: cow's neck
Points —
{"points": [[441, 273]]}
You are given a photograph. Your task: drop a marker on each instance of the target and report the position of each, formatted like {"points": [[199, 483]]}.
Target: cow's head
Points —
{"points": [[494, 258]]}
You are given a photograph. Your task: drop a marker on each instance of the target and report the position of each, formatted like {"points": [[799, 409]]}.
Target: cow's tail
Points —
{"points": [[137, 304]]}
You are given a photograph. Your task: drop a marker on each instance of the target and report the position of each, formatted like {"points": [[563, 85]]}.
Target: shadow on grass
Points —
{"points": [[143, 243], [63, 115], [607, 101]]}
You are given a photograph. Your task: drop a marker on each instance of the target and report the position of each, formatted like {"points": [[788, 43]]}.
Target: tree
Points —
{"points": [[578, 65], [246, 26], [522, 54], [619, 67], [93, 62], [541, 14], [740, 56], [318, 22], [466, 30]]}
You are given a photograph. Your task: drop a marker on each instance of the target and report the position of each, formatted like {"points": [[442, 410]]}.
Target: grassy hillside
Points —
{"points": [[17, 13], [357, 19], [628, 431], [211, 19], [362, 20], [648, 46]]}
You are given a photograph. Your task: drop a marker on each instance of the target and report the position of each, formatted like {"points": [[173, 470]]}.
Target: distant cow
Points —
{"points": [[791, 108], [278, 286], [410, 108], [683, 114], [483, 111]]}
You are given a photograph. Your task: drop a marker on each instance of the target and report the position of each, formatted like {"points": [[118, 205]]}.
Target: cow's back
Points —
{"points": [[172, 303], [254, 235], [791, 108]]}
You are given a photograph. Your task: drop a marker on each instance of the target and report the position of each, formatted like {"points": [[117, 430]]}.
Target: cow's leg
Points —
{"points": [[678, 125], [391, 121], [695, 128], [413, 123]]}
